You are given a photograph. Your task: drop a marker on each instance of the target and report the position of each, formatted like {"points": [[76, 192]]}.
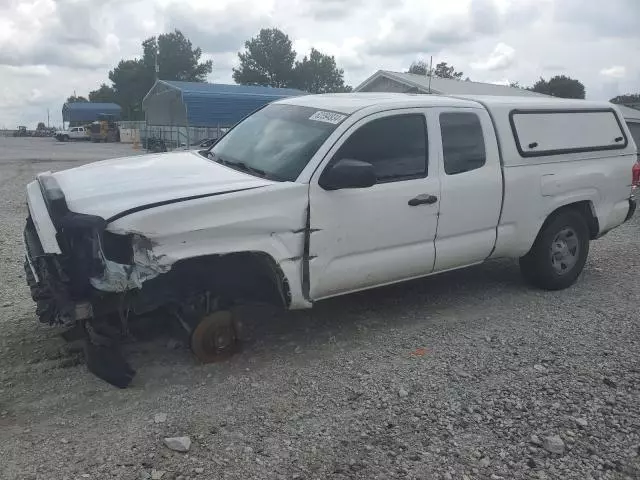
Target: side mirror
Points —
{"points": [[348, 173]]}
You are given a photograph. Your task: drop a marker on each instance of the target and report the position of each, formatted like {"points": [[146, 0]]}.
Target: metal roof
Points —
{"points": [[191, 88], [207, 104], [447, 86], [88, 111]]}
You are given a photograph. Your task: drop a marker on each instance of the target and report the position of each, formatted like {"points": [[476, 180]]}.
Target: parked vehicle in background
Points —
{"points": [[43, 131], [105, 129], [323, 195], [73, 133], [21, 132]]}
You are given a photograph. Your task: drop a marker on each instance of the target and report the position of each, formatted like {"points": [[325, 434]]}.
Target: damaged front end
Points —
{"points": [[76, 269], [79, 273], [128, 261]]}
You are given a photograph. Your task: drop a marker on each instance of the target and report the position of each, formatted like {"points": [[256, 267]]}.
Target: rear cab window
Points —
{"points": [[463, 148], [555, 132]]}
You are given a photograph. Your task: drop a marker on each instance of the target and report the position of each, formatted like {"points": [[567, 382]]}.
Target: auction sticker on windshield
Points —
{"points": [[327, 117]]}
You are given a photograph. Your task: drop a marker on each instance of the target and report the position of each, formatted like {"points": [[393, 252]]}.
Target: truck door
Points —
{"points": [[365, 237], [471, 187]]}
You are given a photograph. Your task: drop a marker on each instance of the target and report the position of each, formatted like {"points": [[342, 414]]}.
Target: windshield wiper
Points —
{"points": [[238, 165], [247, 168]]}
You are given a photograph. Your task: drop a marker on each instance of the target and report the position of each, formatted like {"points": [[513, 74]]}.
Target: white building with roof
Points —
{"points": [[386, 81]]}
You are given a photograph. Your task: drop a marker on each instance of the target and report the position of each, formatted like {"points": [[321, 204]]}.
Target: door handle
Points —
{"points": [[423, 199]]}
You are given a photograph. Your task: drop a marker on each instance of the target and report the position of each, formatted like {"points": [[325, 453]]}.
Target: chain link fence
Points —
{"points": [[173, 136]]}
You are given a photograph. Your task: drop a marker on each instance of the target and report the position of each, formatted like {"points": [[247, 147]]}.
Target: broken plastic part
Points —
{"points": [[118, 277]]}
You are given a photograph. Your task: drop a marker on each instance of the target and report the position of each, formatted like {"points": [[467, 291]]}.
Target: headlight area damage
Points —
{"points": [[134, 263], [98, 282]]}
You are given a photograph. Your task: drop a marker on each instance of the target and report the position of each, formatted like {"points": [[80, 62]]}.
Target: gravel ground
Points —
{"points": [[468, 375]]}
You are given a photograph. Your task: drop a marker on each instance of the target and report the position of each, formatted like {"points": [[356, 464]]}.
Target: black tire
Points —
{"points": [[65, 138], [543, 268]]}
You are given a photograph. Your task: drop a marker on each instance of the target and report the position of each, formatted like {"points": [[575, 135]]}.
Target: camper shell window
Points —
{"points": [[553, 132]]}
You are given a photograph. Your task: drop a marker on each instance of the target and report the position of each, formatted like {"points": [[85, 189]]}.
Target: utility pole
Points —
{"points": [[157, 67], [430, 73], [48, 118]]}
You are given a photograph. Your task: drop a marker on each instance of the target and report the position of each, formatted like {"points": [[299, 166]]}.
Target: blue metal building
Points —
{"points": [[86, 112], [190, 104]]}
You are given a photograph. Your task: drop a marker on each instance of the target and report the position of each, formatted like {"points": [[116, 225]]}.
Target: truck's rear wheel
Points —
{"points": [[559, 253]]}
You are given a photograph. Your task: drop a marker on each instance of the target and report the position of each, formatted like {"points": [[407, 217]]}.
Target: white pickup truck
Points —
{"points": [[322, 195], [73, 133]]}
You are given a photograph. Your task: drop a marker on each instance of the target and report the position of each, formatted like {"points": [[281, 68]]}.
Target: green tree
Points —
{"points": [[515, 84], [419, 68], [132, 79], [177, 59], [131, 82], [318, 73], [104, 94], [627, 99], [41, 126], [560, 86], [268, 59], [76, 98], [443, 70]]}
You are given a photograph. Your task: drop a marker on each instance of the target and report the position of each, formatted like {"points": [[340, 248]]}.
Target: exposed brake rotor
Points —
{"points": [[215, 337]]}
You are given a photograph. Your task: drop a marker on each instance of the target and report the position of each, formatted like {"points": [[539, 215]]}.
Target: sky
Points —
{"points": [[51, 48]]}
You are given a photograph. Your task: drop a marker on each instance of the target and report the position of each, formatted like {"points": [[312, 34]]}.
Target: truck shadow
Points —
{"points": [[394, 305], [267, 331]]}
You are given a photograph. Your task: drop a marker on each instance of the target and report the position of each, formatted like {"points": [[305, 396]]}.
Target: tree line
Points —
{"points": [[268, 59]]}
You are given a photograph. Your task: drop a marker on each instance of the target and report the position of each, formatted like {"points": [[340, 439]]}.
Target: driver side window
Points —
{"points": [[396, 146]]}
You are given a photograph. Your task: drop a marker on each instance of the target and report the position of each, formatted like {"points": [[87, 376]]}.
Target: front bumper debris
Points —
{"points": [[632, 209], [62, 254]]}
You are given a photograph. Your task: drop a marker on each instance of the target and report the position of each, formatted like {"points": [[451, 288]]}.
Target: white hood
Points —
{"points": [[109, 187]]}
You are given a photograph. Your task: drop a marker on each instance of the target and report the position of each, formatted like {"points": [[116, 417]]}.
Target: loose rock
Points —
{"points": [[157, 474], [178, 444], [160, 418], [402, 393], [553, 444], [582, 422]]}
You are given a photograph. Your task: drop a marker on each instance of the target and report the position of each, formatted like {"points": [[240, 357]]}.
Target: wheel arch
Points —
{"points": [[238, 277], [585, 208]]}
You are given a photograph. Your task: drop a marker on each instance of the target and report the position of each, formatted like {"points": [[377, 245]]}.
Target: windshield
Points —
{"points": [[277, 141]]}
